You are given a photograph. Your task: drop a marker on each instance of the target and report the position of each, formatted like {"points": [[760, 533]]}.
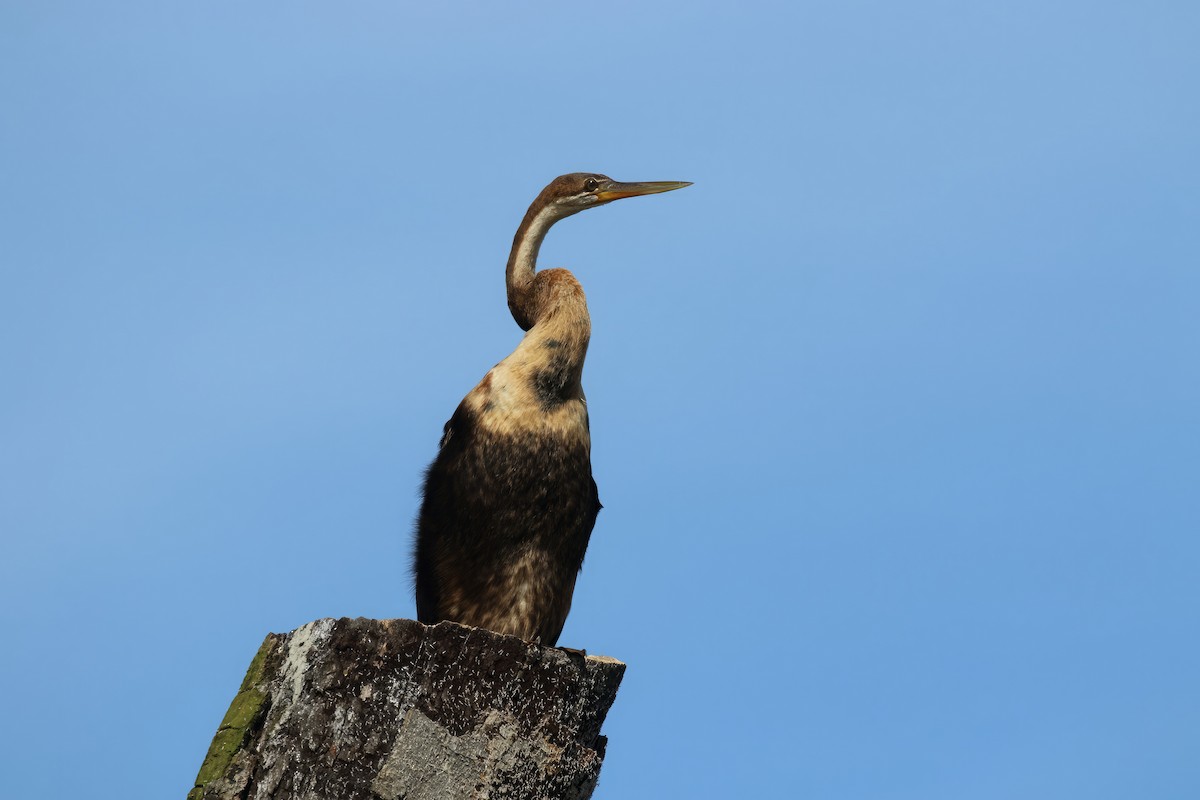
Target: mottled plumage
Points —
{"points": [[509, 503]]}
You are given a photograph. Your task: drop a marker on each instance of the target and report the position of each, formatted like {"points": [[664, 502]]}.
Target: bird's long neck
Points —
{"points": [[551, 307], [522, 263]]}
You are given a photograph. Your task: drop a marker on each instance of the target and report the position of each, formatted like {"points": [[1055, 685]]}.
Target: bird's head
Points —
{"points": [[570, 194]]}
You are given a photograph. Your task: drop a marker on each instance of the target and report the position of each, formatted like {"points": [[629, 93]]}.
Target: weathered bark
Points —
{"points": [[389, 709]]}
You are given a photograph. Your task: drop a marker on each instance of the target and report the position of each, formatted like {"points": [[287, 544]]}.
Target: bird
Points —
{"points": [[509, 502]]}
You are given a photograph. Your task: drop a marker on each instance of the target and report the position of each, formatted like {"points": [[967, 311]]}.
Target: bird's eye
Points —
{"points": [[590, 184]]}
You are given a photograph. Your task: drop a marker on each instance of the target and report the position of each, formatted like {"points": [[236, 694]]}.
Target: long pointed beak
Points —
{"points": [[614, 190]]}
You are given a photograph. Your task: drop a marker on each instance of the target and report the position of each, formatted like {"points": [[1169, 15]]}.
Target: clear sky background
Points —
{"points": [[896, 412]]}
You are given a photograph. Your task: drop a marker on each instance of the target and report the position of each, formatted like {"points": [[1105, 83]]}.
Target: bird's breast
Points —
{"points": [[515, 400]]}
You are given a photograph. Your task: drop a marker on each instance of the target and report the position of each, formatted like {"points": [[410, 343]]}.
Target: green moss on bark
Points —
{"points": [[244, 713]]}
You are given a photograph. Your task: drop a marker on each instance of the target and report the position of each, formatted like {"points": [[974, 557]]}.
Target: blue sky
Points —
{"points": [[896, 412]]}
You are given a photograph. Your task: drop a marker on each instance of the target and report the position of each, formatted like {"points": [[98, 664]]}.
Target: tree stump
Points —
{"points": [[389, 709]]}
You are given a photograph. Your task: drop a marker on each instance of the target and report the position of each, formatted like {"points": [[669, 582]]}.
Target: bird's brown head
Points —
{"points": [[572, 193]]}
